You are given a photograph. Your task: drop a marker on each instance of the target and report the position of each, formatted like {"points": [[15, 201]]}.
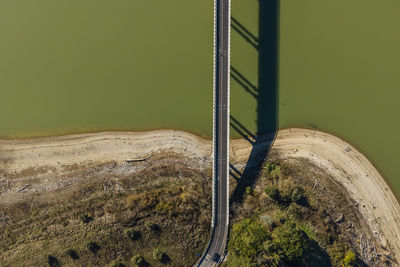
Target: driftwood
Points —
{"points": [[316, 184], [340, 218], [362, 245], [355, 204], [387, 255], [23, 188], [139, 159]]}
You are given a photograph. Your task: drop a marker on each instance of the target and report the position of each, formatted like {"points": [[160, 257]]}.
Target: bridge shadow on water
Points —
{"points": [[266, 94]]}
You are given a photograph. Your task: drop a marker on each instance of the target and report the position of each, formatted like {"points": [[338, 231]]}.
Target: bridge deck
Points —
{"points": [[221, 133]]}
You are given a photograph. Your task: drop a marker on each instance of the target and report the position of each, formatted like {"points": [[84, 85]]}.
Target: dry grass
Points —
{"points": [[169, 205]]}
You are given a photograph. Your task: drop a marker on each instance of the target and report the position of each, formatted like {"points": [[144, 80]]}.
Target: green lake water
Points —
{"points": [[79, 66]]}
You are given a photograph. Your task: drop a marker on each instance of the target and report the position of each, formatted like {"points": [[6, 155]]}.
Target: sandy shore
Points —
{"points": [[344, 163]]}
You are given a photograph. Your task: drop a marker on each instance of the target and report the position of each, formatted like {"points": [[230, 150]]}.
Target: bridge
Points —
{"points": [[267, 113], [220, 203]]}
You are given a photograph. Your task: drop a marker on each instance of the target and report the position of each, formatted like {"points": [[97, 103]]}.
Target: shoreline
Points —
{"points": [[344, 163], [200, 134]]}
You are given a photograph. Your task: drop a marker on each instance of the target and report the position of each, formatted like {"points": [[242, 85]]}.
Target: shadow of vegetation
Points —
{"points": [[144, 263], [166, 259], [266, 93], [317, 256], [53, 261]]}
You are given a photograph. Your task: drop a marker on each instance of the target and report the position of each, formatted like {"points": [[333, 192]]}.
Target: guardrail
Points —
{"points": [[214, 180], [214, 142]]}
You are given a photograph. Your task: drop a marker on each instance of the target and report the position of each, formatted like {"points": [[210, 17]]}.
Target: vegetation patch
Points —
{"points": [[158, 215], [287, 219], [138, 260], [133, 234]]}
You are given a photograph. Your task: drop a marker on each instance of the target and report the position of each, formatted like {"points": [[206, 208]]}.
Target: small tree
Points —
{"points": [[350, 259], [158, 254], [272, 192], [133, 234], [247, 238], [137, 260], [235, 260], [299, 197], [289, 243]]}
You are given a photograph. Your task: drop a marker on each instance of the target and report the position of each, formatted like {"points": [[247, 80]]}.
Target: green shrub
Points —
{"points": [[165, 207], [132, 201], [248, 191], [294, 212], [235, 260], [308, 230], [267, 220], [72, 253], [337, 252], [137, 260], [133, 234], [350, 259], [289, 243], [280, 216], [247, 238], [299, 197], [272, 192], [270, 166], [273, 170], [276, 172], [158, 254]]}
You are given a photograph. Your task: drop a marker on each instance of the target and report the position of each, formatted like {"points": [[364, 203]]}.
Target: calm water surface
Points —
{"points": [[76, 66], [339, 71], [93, 65]]}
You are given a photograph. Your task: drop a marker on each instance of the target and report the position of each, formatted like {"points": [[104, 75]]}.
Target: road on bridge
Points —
{"points": [[220, 222]]}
